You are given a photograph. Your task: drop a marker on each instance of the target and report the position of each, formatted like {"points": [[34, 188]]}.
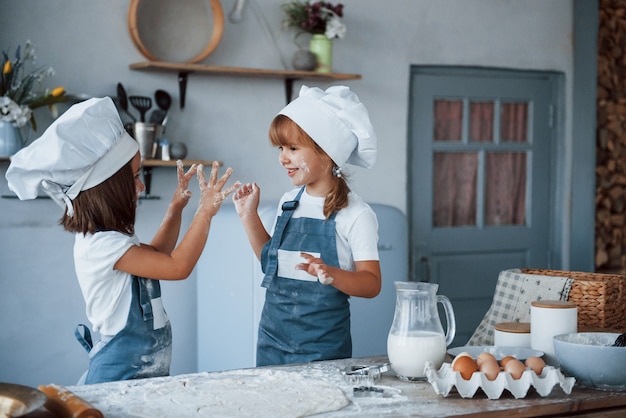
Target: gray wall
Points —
{"points": [[88, 44]]}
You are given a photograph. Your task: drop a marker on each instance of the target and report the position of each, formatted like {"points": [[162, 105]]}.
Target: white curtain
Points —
{"points": [[456, 173]]}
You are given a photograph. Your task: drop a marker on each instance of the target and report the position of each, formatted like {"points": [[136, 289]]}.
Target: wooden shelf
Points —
{"points": [[160, 163], [238, 71], [184, 69], [172, 163], [149, 164]]}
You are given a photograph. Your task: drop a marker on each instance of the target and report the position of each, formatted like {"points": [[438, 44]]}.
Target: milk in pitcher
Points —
{"points": [[416, 335], [408, 354]]}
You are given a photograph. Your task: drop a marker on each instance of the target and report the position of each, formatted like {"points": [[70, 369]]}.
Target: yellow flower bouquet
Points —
{"points": [[21, 92]]}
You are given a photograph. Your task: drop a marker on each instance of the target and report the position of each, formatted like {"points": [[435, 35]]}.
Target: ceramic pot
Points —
{"points": [[178, 150], [322, 47], [304, 60], [10, 139]]}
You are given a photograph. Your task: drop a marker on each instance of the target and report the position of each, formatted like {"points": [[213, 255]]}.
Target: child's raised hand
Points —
{"points": [[211, 194], [182, 193], [246, 199]]}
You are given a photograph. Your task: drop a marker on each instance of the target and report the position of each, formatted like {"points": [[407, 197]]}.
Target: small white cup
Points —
{"points": [[547, 319], [512, 334]]}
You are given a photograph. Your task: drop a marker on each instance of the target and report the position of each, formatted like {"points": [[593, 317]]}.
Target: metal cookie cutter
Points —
{"points": [[368, 391], [364, 375]]}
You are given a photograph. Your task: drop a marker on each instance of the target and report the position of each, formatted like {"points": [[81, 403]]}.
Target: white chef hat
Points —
{"points": [[338, 122], [82, 148]]}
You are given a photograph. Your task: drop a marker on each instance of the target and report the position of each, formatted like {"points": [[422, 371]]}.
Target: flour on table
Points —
{"points": [[241, 393]]}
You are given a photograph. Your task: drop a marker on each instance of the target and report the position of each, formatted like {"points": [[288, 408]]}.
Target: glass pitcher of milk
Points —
{"points": [[416, 335]]}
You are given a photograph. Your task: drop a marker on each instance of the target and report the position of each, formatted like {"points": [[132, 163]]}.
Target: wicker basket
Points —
{"points": [[601, 298]]}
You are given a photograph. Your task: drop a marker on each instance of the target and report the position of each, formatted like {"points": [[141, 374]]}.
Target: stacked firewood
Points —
{"points": [[610, 225]]}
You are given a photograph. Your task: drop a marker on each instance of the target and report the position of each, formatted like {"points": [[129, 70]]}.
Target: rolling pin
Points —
{"points": [[65, 404]]}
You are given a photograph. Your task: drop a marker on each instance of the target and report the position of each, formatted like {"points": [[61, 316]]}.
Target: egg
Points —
{"points": [[505, 359], [482, 357], [490, 368], [463, 354], [515, 367], [535, 364], [465, 365]]}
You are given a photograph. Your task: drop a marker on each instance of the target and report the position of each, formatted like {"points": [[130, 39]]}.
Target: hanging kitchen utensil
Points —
{"points": [[164, 121], [164, 101], [157, 116], [142, 104], [122, 101], [122, 97], [121, 112]]}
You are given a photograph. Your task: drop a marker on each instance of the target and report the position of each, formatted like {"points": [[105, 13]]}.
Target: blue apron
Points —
{"points": [[138, 350], [302, 320]]}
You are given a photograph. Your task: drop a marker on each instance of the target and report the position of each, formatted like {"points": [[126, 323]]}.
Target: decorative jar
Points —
{"points": [[304, 60], [322, 47], [10, 139]]}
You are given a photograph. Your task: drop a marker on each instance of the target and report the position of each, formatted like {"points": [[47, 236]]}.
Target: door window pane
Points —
{"points": [[448, 120], [514, 122], [505, 188], [454, 189], [481, 121]]}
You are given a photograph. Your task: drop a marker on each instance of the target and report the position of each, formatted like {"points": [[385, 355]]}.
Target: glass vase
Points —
{"points": [[322, 47], [10, 139]]}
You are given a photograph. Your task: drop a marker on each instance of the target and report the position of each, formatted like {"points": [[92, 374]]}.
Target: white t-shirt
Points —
{"points": [[107, 292], [356, 226]]}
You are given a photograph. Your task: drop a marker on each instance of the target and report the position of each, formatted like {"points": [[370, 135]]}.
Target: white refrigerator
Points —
{"points": [[230, 297]]}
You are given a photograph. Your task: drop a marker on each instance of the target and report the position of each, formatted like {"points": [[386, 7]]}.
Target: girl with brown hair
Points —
{"points": [[323, 248], [87, 163]]}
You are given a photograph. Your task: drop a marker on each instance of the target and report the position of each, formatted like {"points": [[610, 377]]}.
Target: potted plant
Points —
{"points": [[322, 20]]}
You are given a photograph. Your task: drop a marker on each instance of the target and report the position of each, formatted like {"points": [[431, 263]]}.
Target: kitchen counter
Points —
{"points": [[189, 395]]}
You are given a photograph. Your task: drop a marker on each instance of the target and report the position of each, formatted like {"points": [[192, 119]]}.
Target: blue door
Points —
{"points": [[480, 180]]}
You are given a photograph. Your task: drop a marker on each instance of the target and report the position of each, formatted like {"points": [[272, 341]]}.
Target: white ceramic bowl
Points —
{"points": [[589, 357]]}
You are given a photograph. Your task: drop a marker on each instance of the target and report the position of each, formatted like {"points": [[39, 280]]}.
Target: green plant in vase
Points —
{"points": [[323, 21]]}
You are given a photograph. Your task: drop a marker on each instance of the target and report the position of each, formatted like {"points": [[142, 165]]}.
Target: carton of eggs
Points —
{"points": [[485, 372]]}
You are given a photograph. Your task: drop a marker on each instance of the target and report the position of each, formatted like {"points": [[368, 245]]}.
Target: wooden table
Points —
{"points": [[403, 398]]}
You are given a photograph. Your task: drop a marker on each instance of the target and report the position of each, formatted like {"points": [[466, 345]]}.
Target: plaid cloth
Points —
{"points": [[512, 299]]}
